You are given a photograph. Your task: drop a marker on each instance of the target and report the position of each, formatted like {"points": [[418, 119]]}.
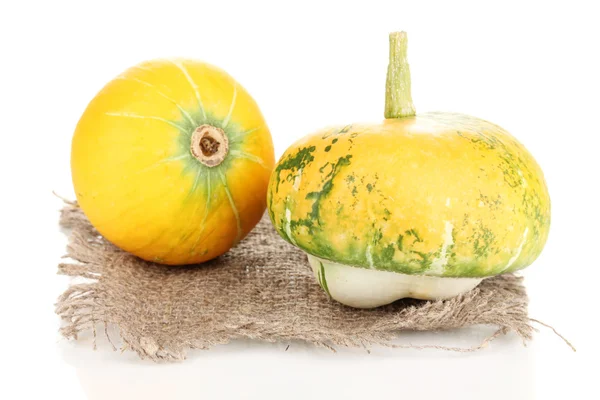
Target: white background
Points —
{"points": [[531, 67]]}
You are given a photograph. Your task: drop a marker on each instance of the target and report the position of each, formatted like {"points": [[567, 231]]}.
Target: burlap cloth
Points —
{"points": [[263, 289]]}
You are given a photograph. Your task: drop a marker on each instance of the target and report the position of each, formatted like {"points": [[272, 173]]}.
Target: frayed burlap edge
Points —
{"points": [[267, 293]]}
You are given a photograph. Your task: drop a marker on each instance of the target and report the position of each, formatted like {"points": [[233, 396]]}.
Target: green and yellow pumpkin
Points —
{"points": [[171, 161], [422, 206]]}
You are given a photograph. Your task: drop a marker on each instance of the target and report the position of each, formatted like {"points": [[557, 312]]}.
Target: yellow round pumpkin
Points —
{"points": [[421, 206], [171, 161]]}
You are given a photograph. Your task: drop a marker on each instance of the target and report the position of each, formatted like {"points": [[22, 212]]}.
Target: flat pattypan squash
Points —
{"points": [[421, 206]]}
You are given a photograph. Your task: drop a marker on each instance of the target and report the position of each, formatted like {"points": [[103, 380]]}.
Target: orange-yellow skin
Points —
{"points": [[136, 179], [436, 194]]}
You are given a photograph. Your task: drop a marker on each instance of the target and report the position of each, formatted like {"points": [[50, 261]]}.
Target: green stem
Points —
{"points": [[398, 100]]}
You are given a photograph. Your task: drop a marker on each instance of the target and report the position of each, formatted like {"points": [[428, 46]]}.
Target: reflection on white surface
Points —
{"points": [[244, 369]]}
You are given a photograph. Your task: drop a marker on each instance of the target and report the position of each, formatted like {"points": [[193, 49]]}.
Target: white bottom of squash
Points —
{"points": [[368, 288]]}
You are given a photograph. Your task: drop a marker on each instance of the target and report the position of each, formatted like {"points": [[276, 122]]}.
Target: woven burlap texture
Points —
{"points": [[262, 289]]}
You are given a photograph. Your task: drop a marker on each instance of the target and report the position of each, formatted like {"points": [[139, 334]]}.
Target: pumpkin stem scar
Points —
{"points": [[398, 99], [209, 145]]}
